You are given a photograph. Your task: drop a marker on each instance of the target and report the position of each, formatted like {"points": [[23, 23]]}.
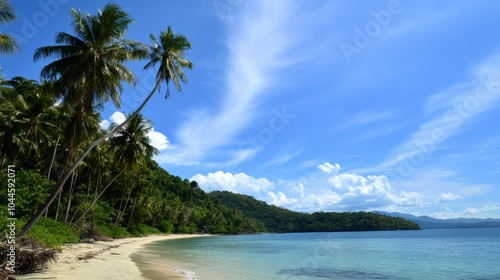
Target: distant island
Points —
{"points": [[281, 220], [426, 222]]}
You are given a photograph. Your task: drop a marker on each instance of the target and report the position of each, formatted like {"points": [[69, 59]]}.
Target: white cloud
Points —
{"points": [[281, 199], [158, 140], [448, 197], [118, 117], [329, 168], [237, 183], [339, 192], [483, 212], [104, 124]]}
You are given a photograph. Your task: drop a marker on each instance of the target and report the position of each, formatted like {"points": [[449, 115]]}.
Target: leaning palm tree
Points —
{"points": [[130, 146], [169, 53], [8, 45]]}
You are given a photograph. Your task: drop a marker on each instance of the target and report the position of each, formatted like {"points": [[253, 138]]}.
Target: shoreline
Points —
{"points": [[117, 259]]}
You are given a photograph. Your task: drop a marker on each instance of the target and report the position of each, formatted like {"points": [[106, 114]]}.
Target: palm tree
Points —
{"points": [[8, 44], [90, 65], [28, 113], [169, 53], [130, 146]]}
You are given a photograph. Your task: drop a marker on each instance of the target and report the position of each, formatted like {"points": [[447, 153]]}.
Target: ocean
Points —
{"points": [[422, 254]]}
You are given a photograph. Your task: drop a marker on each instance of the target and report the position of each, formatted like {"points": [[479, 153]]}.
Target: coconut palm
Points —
{"points": [[90, 66], [28, 115], [169, 53], [8, 44], [130, 146]]}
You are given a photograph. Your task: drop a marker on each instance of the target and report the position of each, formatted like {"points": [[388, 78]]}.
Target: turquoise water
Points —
{"points": [[424, 254]]}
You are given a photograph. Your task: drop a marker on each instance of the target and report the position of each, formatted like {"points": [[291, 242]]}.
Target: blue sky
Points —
{"points": [[319, 105]]}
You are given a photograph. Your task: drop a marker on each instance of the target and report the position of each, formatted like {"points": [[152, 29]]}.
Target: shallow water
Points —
{"points": [[424, 254]]}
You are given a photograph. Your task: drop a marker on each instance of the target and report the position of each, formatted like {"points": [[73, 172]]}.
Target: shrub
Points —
{"points": [[51, 233], [142, 230], [166, 226], [113, 231]]}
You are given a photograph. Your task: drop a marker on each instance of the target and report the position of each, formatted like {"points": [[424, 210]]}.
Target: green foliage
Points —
{"points": [[31, 190], [143, 230], [166, 226], [113, 231], [102, 213], [51, 233]]}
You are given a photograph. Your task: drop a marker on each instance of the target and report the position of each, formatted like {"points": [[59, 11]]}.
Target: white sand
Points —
{"points": [[111, 261]]}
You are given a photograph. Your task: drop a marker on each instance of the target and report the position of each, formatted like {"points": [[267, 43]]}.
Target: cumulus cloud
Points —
{"points": [[341, 192], [281, 199], [329, 168], [448, 197], [158, 140], [118, 117], [104, 124], [237, 183]]}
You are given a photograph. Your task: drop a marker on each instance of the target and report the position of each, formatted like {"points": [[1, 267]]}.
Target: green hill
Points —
{"points": [[277, 219]]}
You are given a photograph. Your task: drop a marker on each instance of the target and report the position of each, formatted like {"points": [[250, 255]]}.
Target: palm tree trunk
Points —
{"points": [[124, 209], [21, 145], [121, 202], [53, 157], [131, 213], [58, 203], [83, 202], [70, 196], [32, 221], [97, 198]]}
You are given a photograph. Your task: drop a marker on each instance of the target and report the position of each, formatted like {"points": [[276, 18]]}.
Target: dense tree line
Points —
{"points": [[277, 219]]}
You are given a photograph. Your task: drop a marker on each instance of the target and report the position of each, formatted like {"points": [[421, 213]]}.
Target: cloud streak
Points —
{"points": [[261, 47], [447, 112]]}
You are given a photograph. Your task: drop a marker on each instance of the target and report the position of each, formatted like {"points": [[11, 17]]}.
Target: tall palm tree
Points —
{"points": [[169, 53], [8, 44], [90, 64], [130, 146]]}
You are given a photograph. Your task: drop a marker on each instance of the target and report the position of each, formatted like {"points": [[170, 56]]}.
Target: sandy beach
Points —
{"points": [[111, 260]]}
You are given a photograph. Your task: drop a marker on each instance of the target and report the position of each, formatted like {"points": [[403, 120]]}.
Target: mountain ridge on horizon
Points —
{"points": [[427, 222]]}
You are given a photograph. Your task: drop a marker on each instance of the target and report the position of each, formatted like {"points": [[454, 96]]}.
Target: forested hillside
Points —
{"points": [[278, 219]]}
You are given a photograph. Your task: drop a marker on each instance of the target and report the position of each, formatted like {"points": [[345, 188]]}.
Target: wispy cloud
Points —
{"points": [[421, 21], [369, 117], [283, 158], [261, 47], [463, 102]]}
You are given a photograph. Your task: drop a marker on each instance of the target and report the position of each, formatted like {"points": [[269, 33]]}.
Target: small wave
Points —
{"points": [[186, 273]]}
